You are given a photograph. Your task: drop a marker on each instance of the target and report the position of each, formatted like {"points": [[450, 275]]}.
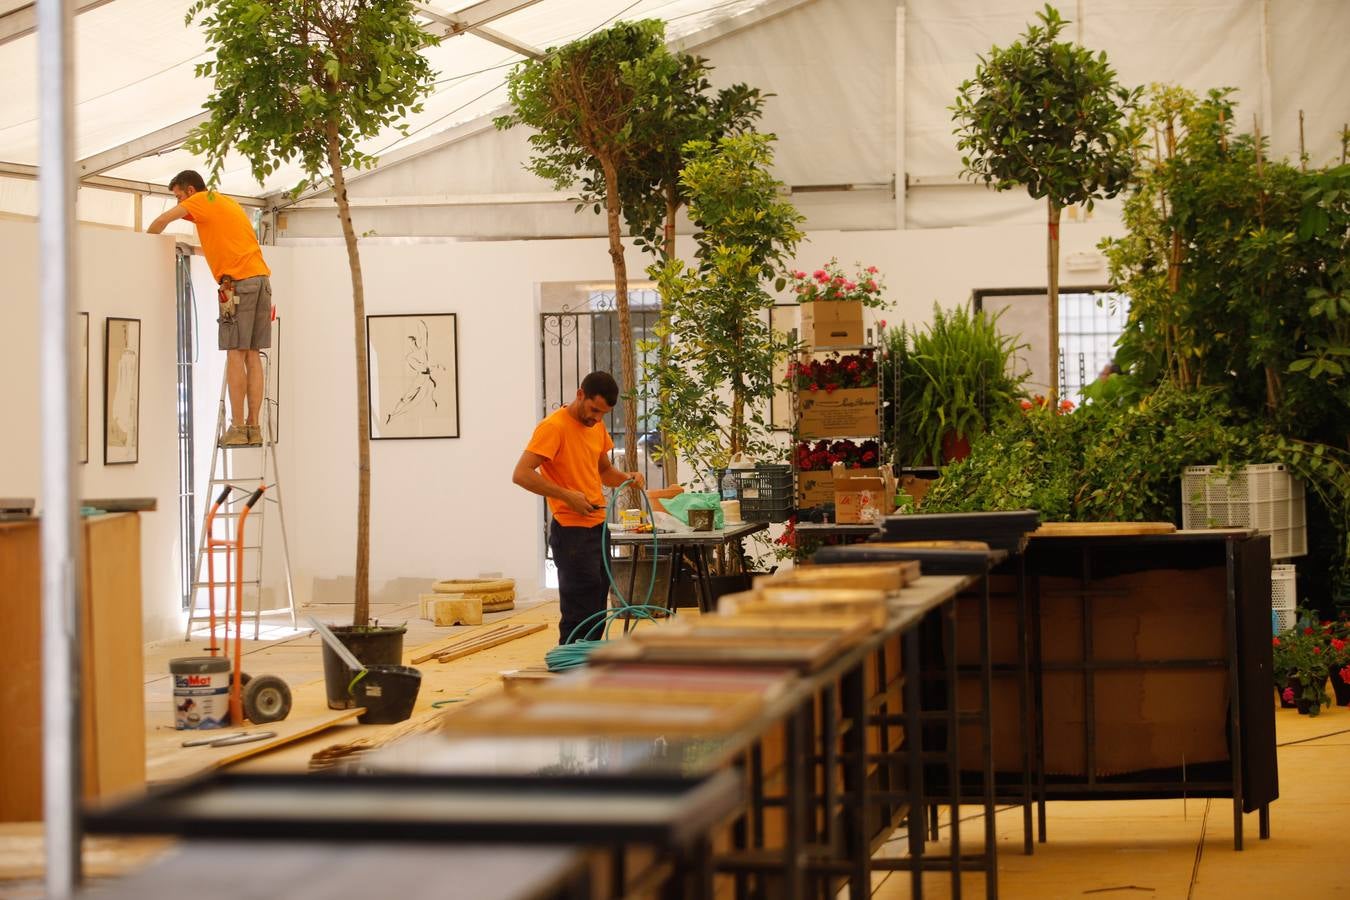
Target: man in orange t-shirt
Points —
{"points": [[231, 250], [567, 462]]}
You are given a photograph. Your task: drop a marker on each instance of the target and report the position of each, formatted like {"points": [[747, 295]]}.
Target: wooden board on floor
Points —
{"points": [[167, 759]]}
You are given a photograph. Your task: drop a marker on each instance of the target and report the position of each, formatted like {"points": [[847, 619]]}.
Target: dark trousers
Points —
{"points": [[583, 588]]}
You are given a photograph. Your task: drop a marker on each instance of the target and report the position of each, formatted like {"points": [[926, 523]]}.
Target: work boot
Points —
{"points": [[254, 435], [237, 436]]}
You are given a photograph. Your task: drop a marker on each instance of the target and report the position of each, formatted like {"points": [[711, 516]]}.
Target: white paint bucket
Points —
{"points": [[201, 692]]}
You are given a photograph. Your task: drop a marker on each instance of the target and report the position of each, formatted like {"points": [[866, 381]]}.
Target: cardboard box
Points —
{"points": [[862, 495], [814, 489], [916, 487], [832, 323], [847, 412]]}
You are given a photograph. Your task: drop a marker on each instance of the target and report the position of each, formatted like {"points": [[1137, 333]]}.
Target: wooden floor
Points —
{"points": [[1152, 849]]}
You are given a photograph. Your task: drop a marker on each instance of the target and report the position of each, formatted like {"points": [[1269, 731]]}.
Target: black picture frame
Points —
{"points": [[412, 376], [121, 403]]}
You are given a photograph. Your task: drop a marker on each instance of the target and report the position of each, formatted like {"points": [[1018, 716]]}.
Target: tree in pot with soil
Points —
{"points": [[1050, 116], [307, 81]]}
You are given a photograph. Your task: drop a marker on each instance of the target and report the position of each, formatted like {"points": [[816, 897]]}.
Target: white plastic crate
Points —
{"points": [[1283, 597], [1265, 497]]}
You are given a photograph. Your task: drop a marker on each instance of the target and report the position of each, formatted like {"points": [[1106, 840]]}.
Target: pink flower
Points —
{"points": [[882, 323], [820, 275], [850, 286], [838, 279], [798, 274], [870, 285], [1288, 695], [871, 270]]}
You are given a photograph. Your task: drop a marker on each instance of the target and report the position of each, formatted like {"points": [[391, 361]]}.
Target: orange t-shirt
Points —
{"points": [[227, 236], [573, 454]]}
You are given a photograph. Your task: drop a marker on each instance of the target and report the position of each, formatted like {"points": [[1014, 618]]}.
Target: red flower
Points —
{"points": [[798, 274], [1288, 695], [1274, 642], [1066, 405], [882, 322], [1307, 632], [1337, 644], [1317, 651], [814, 388], [871, 270], [819, 275], [1026, 404], [850, 286]]}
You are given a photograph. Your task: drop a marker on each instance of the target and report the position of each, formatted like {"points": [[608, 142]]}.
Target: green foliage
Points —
{"points": [[1046, 115], [711, 390], [286, 71], [1235, 266], [953, 376], [1050, 116], [1102, 462]]}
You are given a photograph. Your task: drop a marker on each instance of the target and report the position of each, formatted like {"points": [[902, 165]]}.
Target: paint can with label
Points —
{"points": [[201, 692]]}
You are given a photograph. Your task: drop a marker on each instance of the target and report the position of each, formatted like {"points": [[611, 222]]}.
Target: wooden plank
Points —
{"points": [[113, 663], [1101, 529], [511, 633], [462, 640], [170, 760], [603, 713]]}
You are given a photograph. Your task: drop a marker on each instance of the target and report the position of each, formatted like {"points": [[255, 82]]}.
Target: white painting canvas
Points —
{"points": [[82, 386], [413, 376], [121, 391]]}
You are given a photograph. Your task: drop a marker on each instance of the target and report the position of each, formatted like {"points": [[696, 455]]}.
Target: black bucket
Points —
{"points": [[388, 693], [373, 646]]}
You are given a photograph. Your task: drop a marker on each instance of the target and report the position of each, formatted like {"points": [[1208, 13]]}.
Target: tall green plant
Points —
{"points": [[592, 112], [308, 80], [651, 194], [717, 380], [954, 376], [1051, 117]]}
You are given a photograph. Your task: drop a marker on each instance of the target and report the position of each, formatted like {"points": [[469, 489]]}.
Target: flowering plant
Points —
{"points": [[822, 455], [853, 370], [830, 283], [1303, 658], [1040, 402]]}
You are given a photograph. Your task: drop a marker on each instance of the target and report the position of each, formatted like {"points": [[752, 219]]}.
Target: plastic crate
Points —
{"points": [[765, 492], [1283, 597], [1264, 497]]}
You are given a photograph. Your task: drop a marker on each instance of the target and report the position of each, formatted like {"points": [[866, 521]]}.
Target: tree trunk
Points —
{"points": [[361, 606], [670, 459], [1052, 270], [629, 380]]}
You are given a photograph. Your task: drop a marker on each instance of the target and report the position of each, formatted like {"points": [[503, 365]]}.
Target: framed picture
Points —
{"points": [[121, 391], [82, 386], [413, 376]]}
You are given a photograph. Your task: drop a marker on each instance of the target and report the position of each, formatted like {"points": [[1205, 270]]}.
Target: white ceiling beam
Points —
{"points": [[154, 142], [465, 21], [20, 170], [424, 200], [22, 21]]}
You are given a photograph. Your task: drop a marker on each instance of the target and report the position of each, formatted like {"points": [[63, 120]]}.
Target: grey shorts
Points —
{"points": [[250, 328]]}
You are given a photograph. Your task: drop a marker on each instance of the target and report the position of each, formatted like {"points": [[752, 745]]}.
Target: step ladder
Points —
{"points": [[246, 469]]}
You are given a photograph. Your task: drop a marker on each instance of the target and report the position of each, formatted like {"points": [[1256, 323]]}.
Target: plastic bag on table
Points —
{"points": [[680, 505]]}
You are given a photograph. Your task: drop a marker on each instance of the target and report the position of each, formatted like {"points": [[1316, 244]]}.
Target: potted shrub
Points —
{"points": [[1303, 658], [946, 384], [1339, 635]]}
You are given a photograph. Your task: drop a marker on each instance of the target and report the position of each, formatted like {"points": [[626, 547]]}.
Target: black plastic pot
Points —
{"points": [[1340, 688], [380, 646], [388, 693]]}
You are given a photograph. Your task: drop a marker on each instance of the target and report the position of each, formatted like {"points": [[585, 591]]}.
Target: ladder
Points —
{"points": [[246, 469]]}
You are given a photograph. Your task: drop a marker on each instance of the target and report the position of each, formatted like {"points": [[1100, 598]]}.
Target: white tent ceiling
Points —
{"points": [[135, 76]]}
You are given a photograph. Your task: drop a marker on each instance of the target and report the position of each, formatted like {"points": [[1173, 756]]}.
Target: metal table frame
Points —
{"points": [[695, 547]]}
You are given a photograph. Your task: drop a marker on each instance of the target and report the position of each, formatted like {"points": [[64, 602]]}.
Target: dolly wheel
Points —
{"points": [[266, 699]]}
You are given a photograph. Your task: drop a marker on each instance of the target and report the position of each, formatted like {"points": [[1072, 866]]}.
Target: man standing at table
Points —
{"points": [[231, 250], [567, 462]]}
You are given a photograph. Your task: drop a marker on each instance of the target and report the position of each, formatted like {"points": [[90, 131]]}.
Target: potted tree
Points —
{"points": [[1051, 117], [303, 81]]}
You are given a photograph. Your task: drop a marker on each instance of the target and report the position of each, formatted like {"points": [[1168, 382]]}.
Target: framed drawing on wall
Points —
{"points": [[412, 376], [121, 391], [82, 385]]}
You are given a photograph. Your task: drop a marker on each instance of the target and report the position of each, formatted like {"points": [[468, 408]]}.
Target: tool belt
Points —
{"points": [[228, 301]]}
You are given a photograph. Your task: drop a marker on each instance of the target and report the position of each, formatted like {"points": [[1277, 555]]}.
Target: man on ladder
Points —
{"points": [[236, 262]]}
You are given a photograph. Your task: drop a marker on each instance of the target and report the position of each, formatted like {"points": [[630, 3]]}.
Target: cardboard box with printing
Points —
{"points": [[832, 323], [862, 495], [846, 412]]}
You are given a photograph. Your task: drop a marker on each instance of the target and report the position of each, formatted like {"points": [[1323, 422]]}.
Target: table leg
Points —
{"points": [[796, 792], [953, 741], [855, 784], [914, 742], [987, 740], [1024, 705]]}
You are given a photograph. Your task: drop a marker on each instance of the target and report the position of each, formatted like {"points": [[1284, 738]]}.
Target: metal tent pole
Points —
{"points": [[61, 550]]}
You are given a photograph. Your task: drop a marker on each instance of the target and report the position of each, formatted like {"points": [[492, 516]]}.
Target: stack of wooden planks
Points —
{"points": [[480, 640]]}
